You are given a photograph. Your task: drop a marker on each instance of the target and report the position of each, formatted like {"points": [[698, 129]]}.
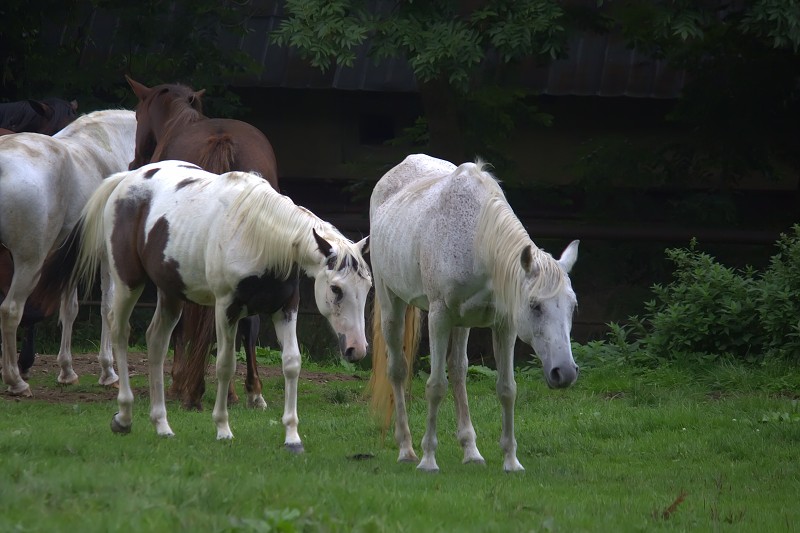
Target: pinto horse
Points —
{"points": [[230, 242], [171, 125], [37, 116], [445, 240], [44, 184]]}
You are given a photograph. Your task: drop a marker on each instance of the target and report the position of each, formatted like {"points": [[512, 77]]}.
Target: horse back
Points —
{"points": [[222, 145]]}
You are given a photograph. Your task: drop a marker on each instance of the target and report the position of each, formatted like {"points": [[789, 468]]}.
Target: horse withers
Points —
{"points": [[44, 184], [444, 239], [230, 242]]}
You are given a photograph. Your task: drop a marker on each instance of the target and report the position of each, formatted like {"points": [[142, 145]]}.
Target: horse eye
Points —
{"points": [[536, 308], [337, 291]]}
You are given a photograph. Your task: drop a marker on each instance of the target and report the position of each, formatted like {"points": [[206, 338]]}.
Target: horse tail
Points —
{"points": [[218, 154], [382, 402]]}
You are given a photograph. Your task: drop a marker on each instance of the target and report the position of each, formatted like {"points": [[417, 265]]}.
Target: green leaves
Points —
{"points": [[439, 39]]}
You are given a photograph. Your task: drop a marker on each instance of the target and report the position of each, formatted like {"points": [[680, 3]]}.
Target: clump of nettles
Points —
{"points": [[710, 310]]}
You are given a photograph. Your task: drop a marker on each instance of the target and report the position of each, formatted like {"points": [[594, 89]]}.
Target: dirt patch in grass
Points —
{"points": [[88, 368]]}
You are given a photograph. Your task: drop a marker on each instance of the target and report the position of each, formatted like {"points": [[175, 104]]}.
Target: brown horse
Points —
{"points": [[171, 125]]}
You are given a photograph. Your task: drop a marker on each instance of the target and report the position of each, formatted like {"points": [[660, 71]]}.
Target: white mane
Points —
{"points": [[280, 233], [500, 241]]}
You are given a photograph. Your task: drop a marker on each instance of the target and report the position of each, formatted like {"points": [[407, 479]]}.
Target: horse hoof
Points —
{"points": [[70, 378], [476, 461], [22, 389], [116, 427], [294, 447], [109, 382], [429, 468], [192, 405], [257, 402]]}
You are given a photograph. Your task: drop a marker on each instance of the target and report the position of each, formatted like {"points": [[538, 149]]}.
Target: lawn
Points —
{"points": [[626, 449]]}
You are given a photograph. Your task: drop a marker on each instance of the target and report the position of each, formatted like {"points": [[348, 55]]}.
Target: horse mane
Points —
{"points": [[280, 232], [500, 241]]}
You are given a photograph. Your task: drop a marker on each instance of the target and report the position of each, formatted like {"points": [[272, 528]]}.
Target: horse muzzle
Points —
{"points": [[562, 376], [352, 352]]}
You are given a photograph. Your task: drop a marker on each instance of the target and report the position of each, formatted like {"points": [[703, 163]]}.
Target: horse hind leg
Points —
{"points": [[122, 307], [248, 329], [457, 367], [11, 309], [105, 356], [158, 333], [67, 314]]}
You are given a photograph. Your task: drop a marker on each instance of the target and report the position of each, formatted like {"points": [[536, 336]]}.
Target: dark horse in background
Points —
{"points": [[47, 117], [171, 125]]}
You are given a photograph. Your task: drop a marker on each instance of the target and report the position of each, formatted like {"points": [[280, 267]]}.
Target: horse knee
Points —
{"points": [[291, 366]]}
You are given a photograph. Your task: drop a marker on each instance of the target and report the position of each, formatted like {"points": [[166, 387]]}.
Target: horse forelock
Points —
{"points": [[500, 241]]}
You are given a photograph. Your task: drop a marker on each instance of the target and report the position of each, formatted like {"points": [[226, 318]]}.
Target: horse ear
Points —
{"points": [[526, 260], [140, 90], [363, 245], [196, 98], [569, 256], [324, 246], [74, 105], [41, 109]]}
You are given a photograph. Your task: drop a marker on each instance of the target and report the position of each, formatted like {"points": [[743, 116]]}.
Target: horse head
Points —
{"points": [[340, 290], [54, 114], [157, 108], [544, 317]]}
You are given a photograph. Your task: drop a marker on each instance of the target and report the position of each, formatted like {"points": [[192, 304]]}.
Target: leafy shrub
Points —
{"points": [[779, 298], [709, 310]]}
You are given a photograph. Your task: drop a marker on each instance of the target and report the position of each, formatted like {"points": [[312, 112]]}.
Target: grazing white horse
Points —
{"points": [[228, 241], [445, 240], [44, 183]]}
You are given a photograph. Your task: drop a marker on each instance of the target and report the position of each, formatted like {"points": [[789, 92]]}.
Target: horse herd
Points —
{"points": [[190, 204]]}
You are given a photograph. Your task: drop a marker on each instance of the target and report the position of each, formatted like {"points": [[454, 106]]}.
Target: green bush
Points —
{"points": [[779, 298], [710, 311]]}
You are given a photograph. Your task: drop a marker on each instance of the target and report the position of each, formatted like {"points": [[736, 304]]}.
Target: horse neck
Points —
{"points": [[180, 115], [499, 243]]}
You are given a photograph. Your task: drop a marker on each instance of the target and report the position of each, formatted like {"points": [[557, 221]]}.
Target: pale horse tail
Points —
{"points": [[382, 401], [77, 260]]}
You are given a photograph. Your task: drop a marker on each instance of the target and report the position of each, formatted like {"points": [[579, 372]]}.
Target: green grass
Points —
{"points": [[704, 449]]}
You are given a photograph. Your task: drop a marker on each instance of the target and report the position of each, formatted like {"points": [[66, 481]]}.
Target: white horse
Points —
{"points": [[228, 241], [44, 184], [445, 240]]}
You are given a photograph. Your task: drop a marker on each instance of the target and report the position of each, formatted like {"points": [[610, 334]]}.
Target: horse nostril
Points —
{"points": [[555, 376], [349, 353]]}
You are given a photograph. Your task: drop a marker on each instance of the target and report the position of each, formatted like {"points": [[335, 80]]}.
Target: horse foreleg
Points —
{"points": [[248, 329], [457, 367], [104, 356], [165, 317], [123, 301], [66, 315], [503, 345], [436, 386], [285, 322], [226, 366]]}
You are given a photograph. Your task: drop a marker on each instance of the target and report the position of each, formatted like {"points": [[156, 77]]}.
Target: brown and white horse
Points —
{"points": [[171, 125], [226, 241]]}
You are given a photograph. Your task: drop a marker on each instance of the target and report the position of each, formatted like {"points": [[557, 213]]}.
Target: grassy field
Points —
{"points": [[703, 449]]}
